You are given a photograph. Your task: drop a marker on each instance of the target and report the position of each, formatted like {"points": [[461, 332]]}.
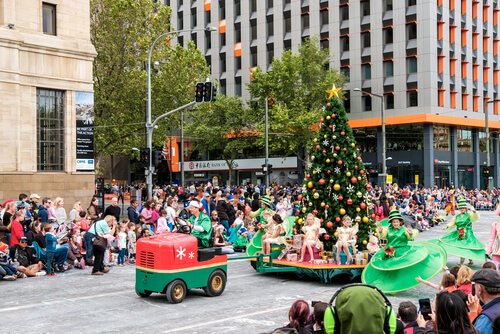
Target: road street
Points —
{"points": [[75, 301]]}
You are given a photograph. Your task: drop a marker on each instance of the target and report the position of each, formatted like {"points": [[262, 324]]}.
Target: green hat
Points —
{"points": [[394, 214], [462, 203], [266, 200]]}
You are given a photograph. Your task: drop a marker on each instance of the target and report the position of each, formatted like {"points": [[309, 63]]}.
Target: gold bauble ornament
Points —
{"points": [[334, 137], [310, 184], [310, 204], [322, 204], [358, 209], [331, 180], [312, 157], [352, 145], [342, 211], [365, 242], [359, 194], [300, 221], [358, 218], [365, 219], [315, 140], [316, 195], [328, 117], [334, 155], [328, 161], [336, 187], [304, 210], [314, 172], [348, 174], [325, 136], [336, 234]]}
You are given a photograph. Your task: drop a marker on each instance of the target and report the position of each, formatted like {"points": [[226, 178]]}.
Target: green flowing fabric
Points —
{"points": [[468, 247], [410, 260]]}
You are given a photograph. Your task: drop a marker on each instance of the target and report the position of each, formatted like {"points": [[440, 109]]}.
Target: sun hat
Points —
{"points": [[462, 203], [195, 204], [266, 200], [394, 215]]}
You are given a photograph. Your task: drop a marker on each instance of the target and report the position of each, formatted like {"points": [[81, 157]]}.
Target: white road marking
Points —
{"points": [[242, 316]]}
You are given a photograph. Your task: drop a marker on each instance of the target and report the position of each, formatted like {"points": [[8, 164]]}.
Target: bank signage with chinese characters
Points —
{"points": [[240, 164]]}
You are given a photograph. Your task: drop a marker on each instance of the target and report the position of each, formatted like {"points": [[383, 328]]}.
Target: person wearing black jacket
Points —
{"points": [[113, 210], [29, 264], [132, 212], [224, 209], [255, 202]]}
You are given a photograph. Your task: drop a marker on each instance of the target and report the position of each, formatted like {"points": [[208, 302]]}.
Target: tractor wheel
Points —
{"points": [[144, 294], [176, 291], [216, 283]]}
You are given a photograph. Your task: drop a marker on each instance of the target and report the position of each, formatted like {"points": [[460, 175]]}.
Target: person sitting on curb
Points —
{"points": [[29, 264]]}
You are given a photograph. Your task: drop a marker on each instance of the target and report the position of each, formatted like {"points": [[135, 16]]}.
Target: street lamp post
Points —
{"points": [[266, 162], [149, 125], [487, 130], [382, 119]]}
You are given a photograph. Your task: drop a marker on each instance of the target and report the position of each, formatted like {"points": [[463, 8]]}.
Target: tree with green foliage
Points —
{"points": [[336, 179], [122, 32], [295, 87], [225, 126]]}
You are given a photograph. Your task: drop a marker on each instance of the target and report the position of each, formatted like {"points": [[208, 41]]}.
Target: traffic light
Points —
{"points": [[486, 171], [214, 92], [144, 156], [207, 92], [157, 158], [267, 169], [200, 87]]}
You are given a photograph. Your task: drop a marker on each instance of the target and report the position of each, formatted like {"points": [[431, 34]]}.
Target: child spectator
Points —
{"points": [[448, 283], [8, 271], [75, 252], [162, 223], [51, 244], [83, 223], [122, 244], [131, 239], [464, 279]]}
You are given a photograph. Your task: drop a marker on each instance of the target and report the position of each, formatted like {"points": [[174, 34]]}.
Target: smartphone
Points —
{"points": [[425, 308], [473, 289]]}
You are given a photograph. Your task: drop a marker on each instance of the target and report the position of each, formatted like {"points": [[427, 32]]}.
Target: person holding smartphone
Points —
{"points": [[450, 315]]}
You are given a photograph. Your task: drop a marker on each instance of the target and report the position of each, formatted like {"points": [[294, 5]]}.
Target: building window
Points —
{"points": [[49, 18], [180, 20], [411, 65], [411, 3], [347, 101], [287, 45], [389, 101], [413, 138], [366, 139], [412, 97], [222, 10], [270, 54], [222, 86], [237, 86], [482, 142], [208, 17], [344, 13], [365, 8], [253, 30], [411, 31], [346, 71], [237, 63], [344, 43], [365, 40], [208, 40], [237, 33], [366, 71], [50, 130], [270, 26], [324, 19], [222, 62], [287, 23], [441, 138], [253, 6], [222, 40], [305, 21], [269, 4], [388, 68], [194, 23], [387, 5], [237, 7], [367, 103], [464, 140], [324, 43], [253, 56], [388, 36]]}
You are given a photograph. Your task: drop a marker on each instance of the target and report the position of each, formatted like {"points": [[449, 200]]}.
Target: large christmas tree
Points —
{"points": [[336, 179]]}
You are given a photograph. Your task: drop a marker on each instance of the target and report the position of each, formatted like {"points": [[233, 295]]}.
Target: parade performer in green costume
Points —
{"points": [[394, 267], [264, 213], [462, 241]]}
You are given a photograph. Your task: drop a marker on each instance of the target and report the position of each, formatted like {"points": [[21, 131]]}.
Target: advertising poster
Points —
{"points": [[85, 131]]}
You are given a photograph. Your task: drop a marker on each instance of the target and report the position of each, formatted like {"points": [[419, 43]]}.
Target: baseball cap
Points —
{"points": [[206, 195], [23, 239], [35, 196], [195, 204], [487, 277]]}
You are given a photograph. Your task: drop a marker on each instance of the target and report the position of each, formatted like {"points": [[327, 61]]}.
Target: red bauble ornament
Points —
{"points": [[361, 172], [322, 119], [368, 187], [308, 176], [359, 158], [327, 207], [321, 220], [333, 115], [354, 180], [342, 133], [349, 201], [324, 152], [341, 198], [329, 224], [362, 205], [337, 148], [331, 126], [345, 149], [326, 237], [328, 104], [328, 171], [294, 231], [358, 149], [299, 197], [318, 147], [373, 216], [337, 219], [355, 166], [321, 181], [339, 162], [315, 212], [297, 212]]}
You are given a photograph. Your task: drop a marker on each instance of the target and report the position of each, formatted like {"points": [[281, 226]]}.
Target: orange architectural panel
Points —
{"points": [[453, 100], [464, 7], [485, 13], [237, 50], [208, 5], [222, 26], [474, 10], [475, 68], [485, 44], [495, 47], [440, 3], [464, 37], [441, 98], [495, 16], [464, 101], [453, 65], [495, 107], [452, 5], [474, 40], [440, 64], [452, 34], [475, 103], [464, 70], [440, 28], [486, 70], [495, 77]]}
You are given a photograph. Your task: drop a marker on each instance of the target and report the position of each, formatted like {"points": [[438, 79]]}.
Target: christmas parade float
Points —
{"points": [[332, 232]]}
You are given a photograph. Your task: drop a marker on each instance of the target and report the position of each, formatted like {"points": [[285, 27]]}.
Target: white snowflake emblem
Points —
{"points": [[181, 252], [317, 170], [354, 155], [337, 170], [350, 188], [367, 198], [326, 142], [309, 165], [191, 255], [335, 197]]}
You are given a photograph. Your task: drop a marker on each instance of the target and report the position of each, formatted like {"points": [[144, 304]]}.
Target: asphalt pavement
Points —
{"points": [[75, 301]]}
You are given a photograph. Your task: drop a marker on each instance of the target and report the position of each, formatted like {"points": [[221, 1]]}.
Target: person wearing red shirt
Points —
{"points": [[16, 228]]}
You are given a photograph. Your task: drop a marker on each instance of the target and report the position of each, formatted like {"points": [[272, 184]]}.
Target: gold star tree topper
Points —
{"points": [[333, 92]]}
